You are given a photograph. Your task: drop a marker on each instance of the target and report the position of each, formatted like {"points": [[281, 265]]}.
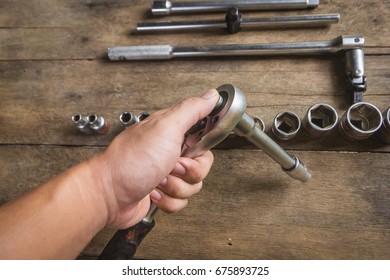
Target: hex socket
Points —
{"points": [[98, 124], [286, 125], [360, 121], [320, 119], [127, 119], [384, 131], [81, 123]]}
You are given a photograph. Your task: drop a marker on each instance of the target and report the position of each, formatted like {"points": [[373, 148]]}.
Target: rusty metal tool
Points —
{"points": [[227, 116]]}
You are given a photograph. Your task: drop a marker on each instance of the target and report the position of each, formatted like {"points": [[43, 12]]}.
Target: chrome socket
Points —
{"points": [[286, 125], [384, 131], [128, 119], [98, 124], [360, 121], [320, 119], [81, 123]]}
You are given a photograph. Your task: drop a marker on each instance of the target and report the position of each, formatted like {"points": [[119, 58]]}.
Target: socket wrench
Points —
{"points": [[167, 7], [227, 116]]}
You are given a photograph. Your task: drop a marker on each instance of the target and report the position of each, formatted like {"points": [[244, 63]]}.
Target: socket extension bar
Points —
{"points": [[234, 21], [161, 52], [162, 8]]}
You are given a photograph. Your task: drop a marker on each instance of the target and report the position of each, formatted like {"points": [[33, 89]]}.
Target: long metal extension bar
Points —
{"points": [[156, 52], [168, 7], [233, 23]]}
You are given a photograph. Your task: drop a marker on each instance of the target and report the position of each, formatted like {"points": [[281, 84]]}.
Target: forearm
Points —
{"points": [[55, 221]]}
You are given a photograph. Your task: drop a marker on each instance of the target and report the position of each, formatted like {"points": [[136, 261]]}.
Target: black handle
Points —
{"points": [[124, 243]]}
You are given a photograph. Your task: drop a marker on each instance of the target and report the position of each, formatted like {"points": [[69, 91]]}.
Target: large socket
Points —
{"points": [[360, 121]]}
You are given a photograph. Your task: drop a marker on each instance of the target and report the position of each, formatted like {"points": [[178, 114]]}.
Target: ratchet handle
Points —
{"points": [[123, 245]]}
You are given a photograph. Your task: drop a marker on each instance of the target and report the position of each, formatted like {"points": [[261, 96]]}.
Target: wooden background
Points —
{"points": [[53, 64]]}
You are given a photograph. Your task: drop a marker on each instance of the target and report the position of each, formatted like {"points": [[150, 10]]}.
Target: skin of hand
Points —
{"points": [[147, 155], [112, 189]]}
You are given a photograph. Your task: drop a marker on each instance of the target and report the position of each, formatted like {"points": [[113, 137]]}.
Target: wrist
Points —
{"points": [[100, 184]]}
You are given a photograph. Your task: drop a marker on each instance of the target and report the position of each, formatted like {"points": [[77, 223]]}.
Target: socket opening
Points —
{"points": [[76, 118], [125, 117], [92, 118], [323, 116], [143, 116], [364, 117], [287, 122], [286, 125]]}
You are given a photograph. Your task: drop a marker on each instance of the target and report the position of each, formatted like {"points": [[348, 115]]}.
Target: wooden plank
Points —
{"points": [[83, 30], [248, 208], [38, 97]]}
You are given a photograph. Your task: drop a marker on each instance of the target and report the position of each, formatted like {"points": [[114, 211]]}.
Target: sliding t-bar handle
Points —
{"points": [[161, 52], [168, 7], [234, 21]]}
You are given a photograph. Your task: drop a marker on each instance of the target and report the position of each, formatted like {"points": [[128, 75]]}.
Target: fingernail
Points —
{"points": [[164, 182], [210, 93], [179, 169], [155, 195]]}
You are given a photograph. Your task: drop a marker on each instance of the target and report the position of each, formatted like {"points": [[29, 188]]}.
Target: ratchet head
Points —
{"points": [[214, 128]]}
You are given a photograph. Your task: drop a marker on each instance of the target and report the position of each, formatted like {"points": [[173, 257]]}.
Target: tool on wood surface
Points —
{"points": [[360, 121], [91, 123], [234, 21], [227, 116], [167, 7], [384, 131], [350, 46], [320, 119], [128, 119], [286, 125]]}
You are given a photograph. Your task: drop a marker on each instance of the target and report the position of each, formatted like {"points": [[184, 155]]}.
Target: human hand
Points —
{"points": [[143, 163]]}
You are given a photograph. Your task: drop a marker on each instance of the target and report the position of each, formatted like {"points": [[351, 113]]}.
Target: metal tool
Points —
{"points": [[234, 21], [384, 131], [320, 119], [227, 116], [360, 121], [128, 119], [286, 125], [81, 123], [167, 7], [356, 78], [91, 123], [156, 52], [98, 124]]}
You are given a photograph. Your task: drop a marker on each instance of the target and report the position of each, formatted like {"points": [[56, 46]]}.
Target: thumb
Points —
{"points": [[193, 109]]}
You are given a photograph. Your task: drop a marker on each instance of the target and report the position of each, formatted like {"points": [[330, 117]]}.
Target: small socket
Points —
{"points": [[81, 123], [127, 119], [320, 119], [286, 125], [360, 121], [98, 124]]}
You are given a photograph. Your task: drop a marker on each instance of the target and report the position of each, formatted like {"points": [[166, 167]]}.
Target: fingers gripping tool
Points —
{"points": [[228, 115]]}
